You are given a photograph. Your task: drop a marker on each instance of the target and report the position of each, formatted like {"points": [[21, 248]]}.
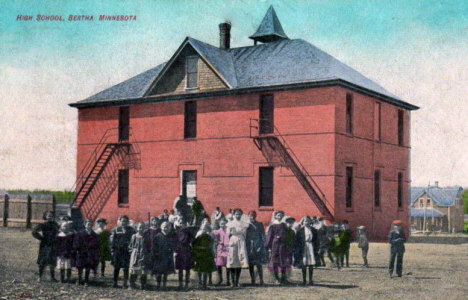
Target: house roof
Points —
{"points": [[134, 87], [279, 64], [270, 28], [428, 212], [442, 196]]}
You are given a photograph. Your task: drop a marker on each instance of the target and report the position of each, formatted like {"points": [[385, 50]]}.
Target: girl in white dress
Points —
{"points": [[237, 258]]}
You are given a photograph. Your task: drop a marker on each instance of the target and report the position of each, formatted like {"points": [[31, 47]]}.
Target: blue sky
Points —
{"points": [[415, 49]]}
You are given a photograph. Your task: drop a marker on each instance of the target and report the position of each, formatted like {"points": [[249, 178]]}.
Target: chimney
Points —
{"points": [[224, 35], [436, 184]]}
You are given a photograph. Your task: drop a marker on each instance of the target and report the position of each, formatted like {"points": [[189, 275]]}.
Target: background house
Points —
{"points": [[278, 125], [435, 208]]}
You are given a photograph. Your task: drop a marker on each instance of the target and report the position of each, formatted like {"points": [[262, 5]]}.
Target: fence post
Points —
{"points": [[6, 208], [28, 212], [54, 206]]}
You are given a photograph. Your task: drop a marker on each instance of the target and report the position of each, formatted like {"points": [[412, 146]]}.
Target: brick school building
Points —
{"points": [[278, 125]]}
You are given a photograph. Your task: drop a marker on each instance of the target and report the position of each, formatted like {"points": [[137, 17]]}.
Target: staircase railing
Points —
{"points": [[255, 128], [110, 136]]}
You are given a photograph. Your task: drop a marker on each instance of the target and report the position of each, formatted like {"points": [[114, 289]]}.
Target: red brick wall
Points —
{"points": [[227, 161]]}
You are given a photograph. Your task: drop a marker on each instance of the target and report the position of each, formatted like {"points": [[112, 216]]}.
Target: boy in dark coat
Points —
{"points": [[86, 245], [104, 244], [162, 254], [120, 240], [47, 234], [397, 239], [203, 254], [276, 244], [183, 238], [346, 238], [255, 242]]}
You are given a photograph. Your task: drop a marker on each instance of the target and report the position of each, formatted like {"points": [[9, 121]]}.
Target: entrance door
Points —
{"points": [[189, 184], [124, 123], [267, 106]]}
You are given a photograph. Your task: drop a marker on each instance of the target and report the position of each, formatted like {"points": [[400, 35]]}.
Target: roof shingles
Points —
{"points": [[282, 62]]}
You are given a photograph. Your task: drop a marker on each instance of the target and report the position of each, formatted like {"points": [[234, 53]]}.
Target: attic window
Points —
{"points": [[192, 72]]}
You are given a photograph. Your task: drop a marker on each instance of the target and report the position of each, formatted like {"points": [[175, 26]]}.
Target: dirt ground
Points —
{"points": [[430, 272]]}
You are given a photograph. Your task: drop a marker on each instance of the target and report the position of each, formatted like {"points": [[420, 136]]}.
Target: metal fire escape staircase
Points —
{"points": [[99, 177], [273, 144]]}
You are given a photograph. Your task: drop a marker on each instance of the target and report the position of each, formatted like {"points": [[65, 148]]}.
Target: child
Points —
{"points": [[306, 249], [276, 244], [396, 239], [162, 253], [203, 255], [104, 247], [345, 236], [183, 253], [336, 245], [120, 239], [47, 234], [290, 241], [256, 247], [86, 245], [238, 256], [138, 258], [363, 243], [65, 251], [222, 250], [325, 235]]}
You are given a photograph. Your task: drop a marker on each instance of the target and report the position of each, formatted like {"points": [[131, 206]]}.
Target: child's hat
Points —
{"points": [[361, 227], [397, 222], [101, 220]]}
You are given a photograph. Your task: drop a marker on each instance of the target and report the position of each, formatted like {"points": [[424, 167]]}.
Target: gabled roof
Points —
{"points": [[442, 196], [270, 29], [134, 87], [421, 212], [275, 65]]}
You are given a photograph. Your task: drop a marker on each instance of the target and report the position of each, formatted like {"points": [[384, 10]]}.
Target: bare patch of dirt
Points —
{"points": [[431, 272]]}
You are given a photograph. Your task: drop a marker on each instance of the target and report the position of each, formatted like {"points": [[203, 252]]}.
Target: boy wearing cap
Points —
{"points": [[363, 243], [104, 244], [396, 238]]}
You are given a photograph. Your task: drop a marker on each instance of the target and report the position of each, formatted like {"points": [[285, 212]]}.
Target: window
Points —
{"points": [[421, 203], [349, 187], [377, 188], [267, 106], [123, 187], [189, 184], [428, 203], [400, 190], [349, 113], [124, 123], [190, 120], [192, 72], [400, 127], [377, 121], [266, 186]]}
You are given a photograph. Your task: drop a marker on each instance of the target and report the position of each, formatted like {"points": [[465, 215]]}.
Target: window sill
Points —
{"points": [[349, 209], [123, 206], [194, 89], [377, 209], [401, 209], [191, 139], [266, 208]]}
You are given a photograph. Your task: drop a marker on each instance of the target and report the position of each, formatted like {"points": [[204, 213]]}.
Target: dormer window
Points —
{"points": [[192, 72]]}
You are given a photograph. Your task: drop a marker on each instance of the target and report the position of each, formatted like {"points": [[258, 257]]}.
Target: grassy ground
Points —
{"points": [[431, 272]]}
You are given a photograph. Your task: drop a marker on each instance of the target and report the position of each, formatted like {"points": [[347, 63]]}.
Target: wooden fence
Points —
{"points": [[25, 210]]}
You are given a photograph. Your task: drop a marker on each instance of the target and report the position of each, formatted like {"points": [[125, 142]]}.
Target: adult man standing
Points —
{"points": [[397, 239]]}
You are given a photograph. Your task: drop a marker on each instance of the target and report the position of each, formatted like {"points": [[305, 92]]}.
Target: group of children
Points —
{"points": [[232, 242]]}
